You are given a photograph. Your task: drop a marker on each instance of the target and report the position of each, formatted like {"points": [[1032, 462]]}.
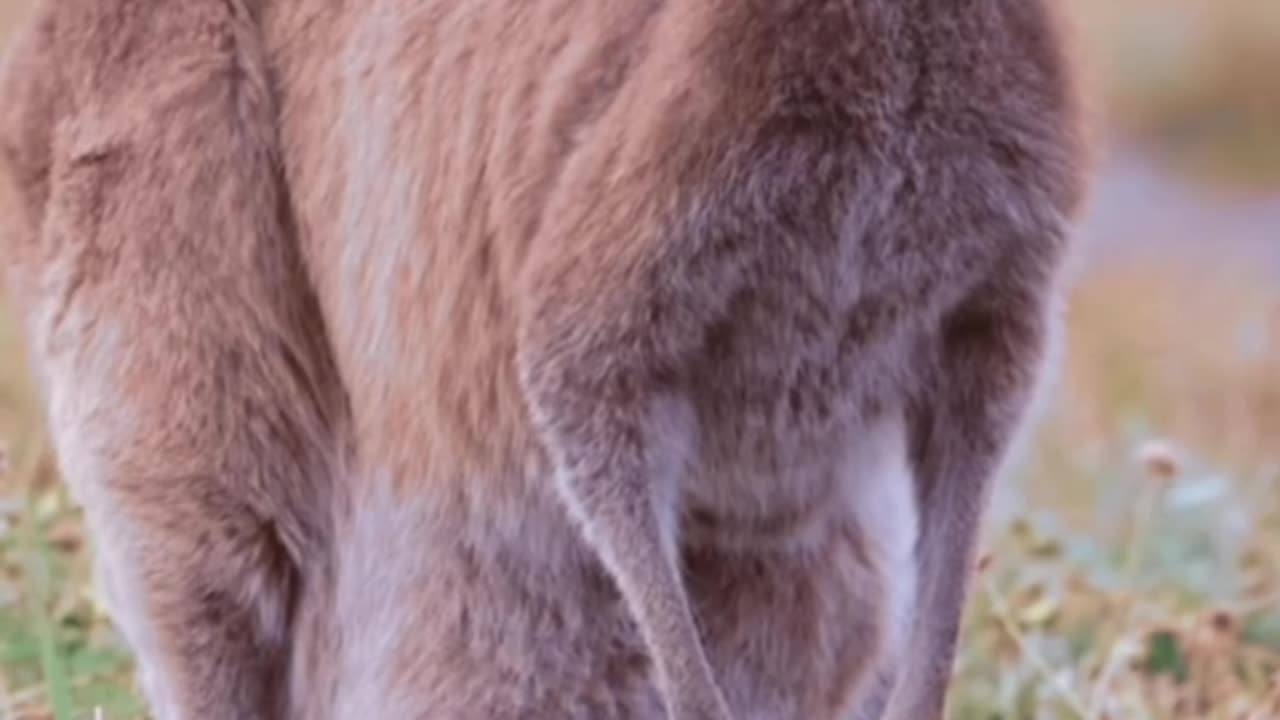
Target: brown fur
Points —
{"points": [[541, 359]]}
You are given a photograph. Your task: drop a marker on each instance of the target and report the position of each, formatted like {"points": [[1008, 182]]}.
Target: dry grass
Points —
{"points": [[1132, 574]]}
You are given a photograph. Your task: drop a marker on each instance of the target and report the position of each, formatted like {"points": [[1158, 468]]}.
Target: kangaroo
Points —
{"points": [[623, 359]]}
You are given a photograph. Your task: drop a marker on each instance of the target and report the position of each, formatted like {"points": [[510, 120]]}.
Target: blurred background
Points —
{"points": [[1131, 567]]}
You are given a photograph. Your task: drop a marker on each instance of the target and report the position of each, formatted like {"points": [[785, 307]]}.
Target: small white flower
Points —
{"points": [[1160, 459]]}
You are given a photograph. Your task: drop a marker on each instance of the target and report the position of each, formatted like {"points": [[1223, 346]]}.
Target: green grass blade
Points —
{"points": [[38, 566]]}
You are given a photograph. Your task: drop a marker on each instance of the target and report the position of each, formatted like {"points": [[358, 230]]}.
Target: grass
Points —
{"points": [[1133, 573]]}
